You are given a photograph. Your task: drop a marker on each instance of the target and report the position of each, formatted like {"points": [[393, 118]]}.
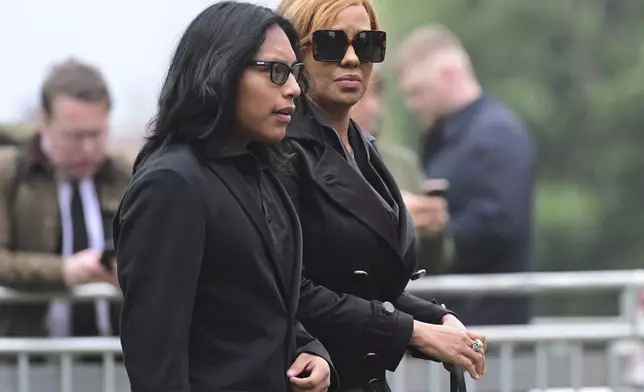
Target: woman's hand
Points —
{"points": [[310, 373], [451, 344], [453, 321]]}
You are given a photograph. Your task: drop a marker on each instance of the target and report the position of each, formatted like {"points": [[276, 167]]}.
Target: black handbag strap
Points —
{"points": [[457, 381]]}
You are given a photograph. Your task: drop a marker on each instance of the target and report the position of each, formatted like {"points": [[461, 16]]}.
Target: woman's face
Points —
{"points": [[341, 84], [267, 90]]}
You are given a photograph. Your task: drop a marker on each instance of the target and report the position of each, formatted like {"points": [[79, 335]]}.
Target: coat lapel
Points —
{"points": [[237, 186], [296, 274], [406, 233], [350, 191], [341, 183]]}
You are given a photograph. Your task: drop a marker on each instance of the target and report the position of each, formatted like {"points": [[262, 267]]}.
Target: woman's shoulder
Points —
{"points": [[171, 163], [304, 126]]}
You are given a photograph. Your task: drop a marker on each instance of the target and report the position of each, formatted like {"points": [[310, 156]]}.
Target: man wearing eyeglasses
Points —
{"points": [[59, 193]]}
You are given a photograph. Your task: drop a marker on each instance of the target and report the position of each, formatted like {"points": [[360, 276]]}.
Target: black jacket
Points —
{"points": [[357, 258], [487, 155], [207, 304]]}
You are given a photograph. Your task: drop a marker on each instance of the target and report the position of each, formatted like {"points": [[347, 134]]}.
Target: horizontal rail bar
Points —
{"points": [[96, 345], [512, 283], [525, 283], [528, 334], [86, 292], [582, 332]]}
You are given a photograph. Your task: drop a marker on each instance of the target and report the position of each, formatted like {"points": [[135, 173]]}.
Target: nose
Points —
{"points": [[350, 58], [291, 88], [87, 145]]}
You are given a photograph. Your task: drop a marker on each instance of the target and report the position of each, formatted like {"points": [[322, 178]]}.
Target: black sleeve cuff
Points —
{"points": [[430, 312], [391, 331]]}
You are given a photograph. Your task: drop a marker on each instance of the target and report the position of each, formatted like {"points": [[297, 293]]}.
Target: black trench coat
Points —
{"points": [[357, 260]]}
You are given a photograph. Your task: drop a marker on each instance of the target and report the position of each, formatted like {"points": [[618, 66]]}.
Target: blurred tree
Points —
{"points": [[574, 70]]}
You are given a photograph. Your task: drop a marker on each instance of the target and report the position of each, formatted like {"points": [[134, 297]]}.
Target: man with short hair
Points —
{"points": [[481, 152], [58, 195]]}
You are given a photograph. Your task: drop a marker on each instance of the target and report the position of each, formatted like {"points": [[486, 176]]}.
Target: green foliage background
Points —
{"points": [[574, 70]]}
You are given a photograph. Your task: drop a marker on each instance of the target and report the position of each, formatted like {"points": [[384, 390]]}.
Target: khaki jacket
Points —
{"points": [[30, 222], [403, 165]]}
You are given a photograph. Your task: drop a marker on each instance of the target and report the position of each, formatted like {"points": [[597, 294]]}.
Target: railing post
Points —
{"points": [[109, 373], [628, 303], [23, 372], [66, 375], [506, 368]]}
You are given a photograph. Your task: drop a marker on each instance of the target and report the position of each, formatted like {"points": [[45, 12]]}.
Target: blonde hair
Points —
{"points": [[426, 41], [310, 15]]}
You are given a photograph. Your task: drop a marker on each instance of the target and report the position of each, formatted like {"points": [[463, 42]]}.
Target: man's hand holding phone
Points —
{"points": [[90, 266], [108, 261], [429, 211]]}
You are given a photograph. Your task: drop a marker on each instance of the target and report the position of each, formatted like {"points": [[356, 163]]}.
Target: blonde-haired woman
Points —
{"points": [[358, 238]]}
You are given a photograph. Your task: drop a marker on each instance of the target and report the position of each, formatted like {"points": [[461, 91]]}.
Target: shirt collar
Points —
{"points": [[309, 119], [453, 127]]}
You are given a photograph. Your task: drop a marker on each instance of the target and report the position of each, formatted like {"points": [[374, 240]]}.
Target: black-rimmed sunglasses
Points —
{"points": [[331, 45], [279, 71]]}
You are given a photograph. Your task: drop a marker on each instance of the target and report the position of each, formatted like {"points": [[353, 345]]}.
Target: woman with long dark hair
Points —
{"points": [[208, 244], [359, 251]]}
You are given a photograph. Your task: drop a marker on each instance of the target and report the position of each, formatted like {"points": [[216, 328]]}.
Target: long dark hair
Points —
{"points": [[197, 102]]}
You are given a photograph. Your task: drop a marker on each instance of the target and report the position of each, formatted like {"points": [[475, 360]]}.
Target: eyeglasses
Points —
{"points": [[331, 45], [279, 71]]}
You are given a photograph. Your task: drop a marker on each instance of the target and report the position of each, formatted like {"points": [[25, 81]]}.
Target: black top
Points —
{"points": [[264, 189], [488, 157]]}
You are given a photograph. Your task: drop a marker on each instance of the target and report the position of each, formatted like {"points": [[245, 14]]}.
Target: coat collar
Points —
{"points": [[449, 130], [339, 180], [311, 124]]}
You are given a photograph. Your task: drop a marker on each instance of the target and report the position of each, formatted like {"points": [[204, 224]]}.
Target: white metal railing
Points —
{"points": [[608, 331], [86, 292], [504, 338], [629, 282], [514, 283], [534, 282], [539, 336]]}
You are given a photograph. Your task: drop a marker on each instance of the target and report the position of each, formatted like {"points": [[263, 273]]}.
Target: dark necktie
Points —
{"points": [[78, 220], [83, 313]]}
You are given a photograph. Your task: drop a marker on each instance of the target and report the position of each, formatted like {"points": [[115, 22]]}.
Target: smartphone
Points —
{"points": [[436, 187], [436, 193], [107, 258]]}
